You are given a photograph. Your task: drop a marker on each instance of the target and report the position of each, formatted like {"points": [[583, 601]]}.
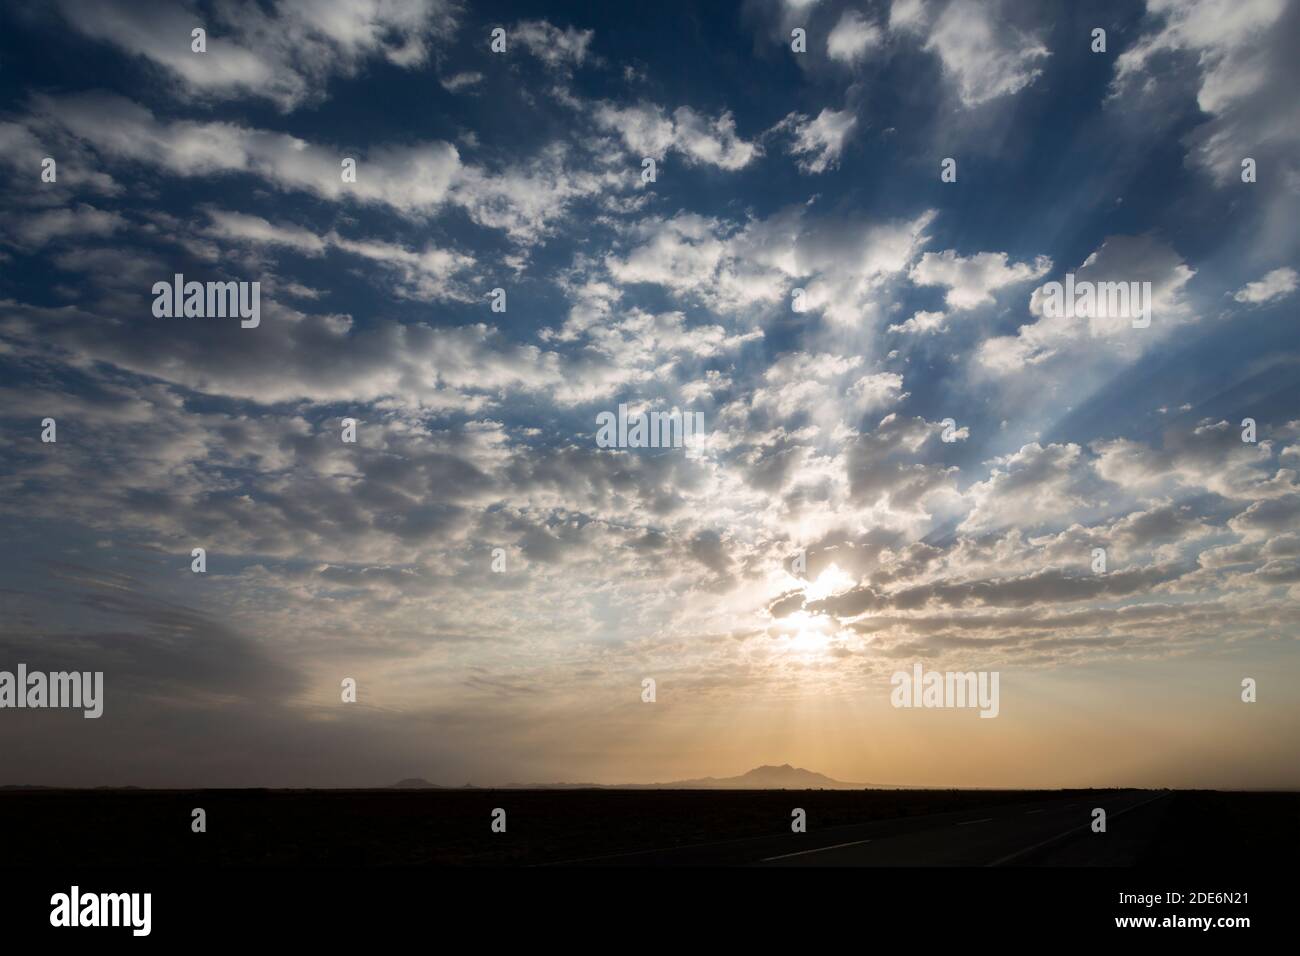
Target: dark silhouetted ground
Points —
{"points": [[452, 827]]}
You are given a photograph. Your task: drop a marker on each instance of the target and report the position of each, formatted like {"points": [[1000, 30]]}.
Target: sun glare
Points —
{"points": [[831, 581]]}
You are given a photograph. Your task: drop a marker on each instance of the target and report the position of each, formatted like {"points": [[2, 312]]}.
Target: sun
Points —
{"points": [[807, 632], [832, 580]]}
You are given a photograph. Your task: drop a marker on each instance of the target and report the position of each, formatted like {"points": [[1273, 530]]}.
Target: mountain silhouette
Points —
{"points": [[767, 777]]}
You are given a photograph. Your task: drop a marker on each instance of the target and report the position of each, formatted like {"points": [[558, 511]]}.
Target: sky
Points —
{"points": [[841, 257]]}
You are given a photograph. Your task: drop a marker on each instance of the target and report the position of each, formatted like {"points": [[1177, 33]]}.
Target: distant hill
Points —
{"points": [[768, 777], [784, 777]]}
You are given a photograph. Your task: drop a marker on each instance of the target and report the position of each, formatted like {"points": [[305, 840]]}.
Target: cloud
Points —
{"points": [[1210, 456], [240, 227], [425, 274], [884, 469], [845, 265], [428, 273], [1035, 485], [907, 15], [413, 179], [840, 265], [647, 130], [1240, 59], [1264, 519], [79, 222], [1278, 284], [553, 46], [801, 383], [297, 356], [1163, 523], [683, 253], [986, 56], [22, 150], [852, 37], [408, 178], [1035, 589], [972, 281], [819, 142], [285, 52], [875, 392], [461, 81], [922, 322], [1125, 259]]}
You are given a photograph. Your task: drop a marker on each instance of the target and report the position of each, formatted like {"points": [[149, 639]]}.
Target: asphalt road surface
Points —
{"points": [[1008, 835]]}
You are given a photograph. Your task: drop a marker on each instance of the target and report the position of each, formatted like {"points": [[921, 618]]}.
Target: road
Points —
{"points": [[1005, 835]]}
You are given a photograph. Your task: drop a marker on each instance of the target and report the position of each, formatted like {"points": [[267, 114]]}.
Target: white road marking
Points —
{"points": [[1070, 832], [817, 850]]}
